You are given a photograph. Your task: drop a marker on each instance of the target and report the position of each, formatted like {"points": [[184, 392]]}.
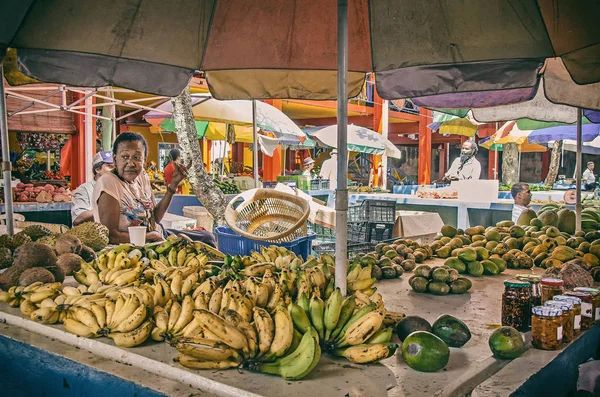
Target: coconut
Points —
{"points": [[56, 271], [69, 263], [67, 243], [88, 254], [35, 274], [10, 276], [35, 255]]}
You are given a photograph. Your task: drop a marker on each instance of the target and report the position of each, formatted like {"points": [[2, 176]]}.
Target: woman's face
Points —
{"points": [[129, 160]]}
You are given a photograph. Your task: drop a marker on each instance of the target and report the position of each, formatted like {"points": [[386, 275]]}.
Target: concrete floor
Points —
{"points": [[468, 366]]}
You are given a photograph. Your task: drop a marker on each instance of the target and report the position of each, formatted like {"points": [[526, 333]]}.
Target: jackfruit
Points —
{"points": [[526, 217], [94, 235]]}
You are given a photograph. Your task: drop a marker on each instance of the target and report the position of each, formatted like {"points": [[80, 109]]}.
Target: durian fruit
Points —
{"points": [[48, 240], [92, 234], [36, 231], [6, 257], [17, 240]]}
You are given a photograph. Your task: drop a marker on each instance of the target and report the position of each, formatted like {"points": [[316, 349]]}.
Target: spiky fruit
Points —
{"points": [[6, 258], [36, 231], [48, 240], [17, 240], [92, 234]]}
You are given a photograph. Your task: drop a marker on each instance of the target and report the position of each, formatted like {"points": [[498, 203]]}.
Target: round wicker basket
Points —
{"points": [[268, 215]]}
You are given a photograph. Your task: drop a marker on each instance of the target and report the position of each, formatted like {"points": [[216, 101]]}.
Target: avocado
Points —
{"points": [[489, 268], [445, 240], [410, 324], [376, 272], [444, 252], [466, 281], [452, 275], [475, 268], [459, 287], [500, 264], [512, 243], [456, 243], [478, 244], [490, 245], [408, 265], [467, 254], [423, 271], [399, 270], [419, 284], [465, 239], [438, 287], [420, 256], [506, 343], [448, 231], [451, 330], [389, 272], [482, 253], [492, 235], [455, 263], [425, 352], [439, 274]]}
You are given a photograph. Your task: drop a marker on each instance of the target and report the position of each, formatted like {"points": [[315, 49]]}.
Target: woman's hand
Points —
{"points": [[154, 236], [179, 174]]}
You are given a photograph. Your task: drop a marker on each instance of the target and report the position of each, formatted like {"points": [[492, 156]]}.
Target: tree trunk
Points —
{"points": [[510, 163], [554, 163], [207, 192]]}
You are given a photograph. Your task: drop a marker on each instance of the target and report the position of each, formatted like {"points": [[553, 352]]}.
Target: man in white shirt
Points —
{"points": [[81, 208], [329, 170], [466, 166], [522, 196], [588, 178]]}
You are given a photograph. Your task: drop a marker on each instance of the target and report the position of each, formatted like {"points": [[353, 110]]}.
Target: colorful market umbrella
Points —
{"points": [[510, 133], [589, 133], [448, 124], [360, 139]]}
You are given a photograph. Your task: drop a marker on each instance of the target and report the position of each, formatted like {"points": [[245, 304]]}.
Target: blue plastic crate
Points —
{"points": [[232, 243]]}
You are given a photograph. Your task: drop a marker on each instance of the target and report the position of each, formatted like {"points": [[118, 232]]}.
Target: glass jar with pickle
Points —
{"points": [[546, 328], [551, 287], [516, 305], [587, 313], [576, 302], [568, 316], [595, 293]]}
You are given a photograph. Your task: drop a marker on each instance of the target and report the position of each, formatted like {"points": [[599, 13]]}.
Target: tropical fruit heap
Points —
{"points": [[273, 317], [29, 259], [439, 280]]}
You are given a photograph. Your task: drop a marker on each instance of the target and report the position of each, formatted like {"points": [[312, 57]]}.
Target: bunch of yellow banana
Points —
{"points": [[175, 320], [35, 292], [359, 279]]}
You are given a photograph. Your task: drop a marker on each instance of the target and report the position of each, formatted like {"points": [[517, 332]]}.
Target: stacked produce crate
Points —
{"points": [[371, 221]]}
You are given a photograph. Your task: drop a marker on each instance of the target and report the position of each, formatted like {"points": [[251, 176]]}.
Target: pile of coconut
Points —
{"points": [[39, 262]]}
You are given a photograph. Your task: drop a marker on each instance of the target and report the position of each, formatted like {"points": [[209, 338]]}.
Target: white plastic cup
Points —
{"points": [[137, 235]]}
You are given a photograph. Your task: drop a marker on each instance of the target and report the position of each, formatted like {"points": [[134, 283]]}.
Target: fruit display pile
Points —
{"points": [[392, 260], [439, 280], [218, 311], [28, 193], [227, 187]]}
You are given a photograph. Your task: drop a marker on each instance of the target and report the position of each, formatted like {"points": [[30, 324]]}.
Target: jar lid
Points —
{"points": [[517, 284], [554, 282], [560, 305], [584, 296], [587, 290], [564, 298], [547, 311]]}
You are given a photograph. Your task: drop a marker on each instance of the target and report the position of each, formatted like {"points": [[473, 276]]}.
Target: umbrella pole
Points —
{"points": [[385, 115], [6, 167], [341, 199], [495, 155], [255, 146], [578, 172]]}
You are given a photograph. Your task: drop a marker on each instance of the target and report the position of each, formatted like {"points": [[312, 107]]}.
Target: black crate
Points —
{"points": [[381, 211], [370, 232]]}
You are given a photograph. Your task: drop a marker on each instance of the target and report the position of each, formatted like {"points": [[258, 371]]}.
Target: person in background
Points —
{"points": [[466, 166], [522, 196], [329, 170], [81, 209], [175, 156], [124, 197], [307, 166], [588, 178]]}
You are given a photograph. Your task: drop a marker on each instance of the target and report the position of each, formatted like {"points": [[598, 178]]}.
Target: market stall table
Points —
{"points": [[480, 309], [59, 213]]}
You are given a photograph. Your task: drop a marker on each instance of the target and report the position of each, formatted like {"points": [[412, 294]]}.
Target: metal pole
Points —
{"points": [[519, 167], [284, 158], [6, 167], [495, 156], [90, 129], [341, 199], [48, 158], [578, 171], [385, 128], [255, 146]]}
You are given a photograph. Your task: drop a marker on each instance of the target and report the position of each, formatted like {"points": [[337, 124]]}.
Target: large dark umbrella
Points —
{"points": [[448, 53]]}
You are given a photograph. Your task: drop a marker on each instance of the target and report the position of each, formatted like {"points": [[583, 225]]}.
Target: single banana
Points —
{"points": [[362, 329], [355, 317], [224, 331], [317, 311], [214, 305], [109, 307], [27, 307], [367, 353], [384, 335], [176, 284], [201, 302], [299, 317], [45, 315], [187, 314], [333, 308], [191, 362], [100, 314], [284, 332], [265, 329], [133, 338], [205, 349], [174, 314], [188, 283], [85, 317]]}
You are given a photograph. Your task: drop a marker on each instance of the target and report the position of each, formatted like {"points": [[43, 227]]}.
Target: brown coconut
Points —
{"points": [[69, 263], [10, 277], [88, 254], [35, 255], [56, 271], [67, 243], [35, 274]]}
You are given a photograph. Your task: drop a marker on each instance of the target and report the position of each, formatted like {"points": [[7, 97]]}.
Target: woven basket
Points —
{"points": [[268, 215]]}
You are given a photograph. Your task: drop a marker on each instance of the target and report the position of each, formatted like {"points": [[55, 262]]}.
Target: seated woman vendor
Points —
{"points": [[124, 197]]}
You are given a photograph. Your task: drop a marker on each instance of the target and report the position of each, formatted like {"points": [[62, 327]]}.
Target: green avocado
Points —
{"points": [[506, 343], [467, 254], [451, 330], [410, 324], [425, 352]]}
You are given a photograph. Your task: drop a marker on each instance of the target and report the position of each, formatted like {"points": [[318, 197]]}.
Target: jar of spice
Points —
{"points": [[568, 316], [516, 305], [546, 328], [576, 302], [595, 302], [551, 287], [587, 305]]}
